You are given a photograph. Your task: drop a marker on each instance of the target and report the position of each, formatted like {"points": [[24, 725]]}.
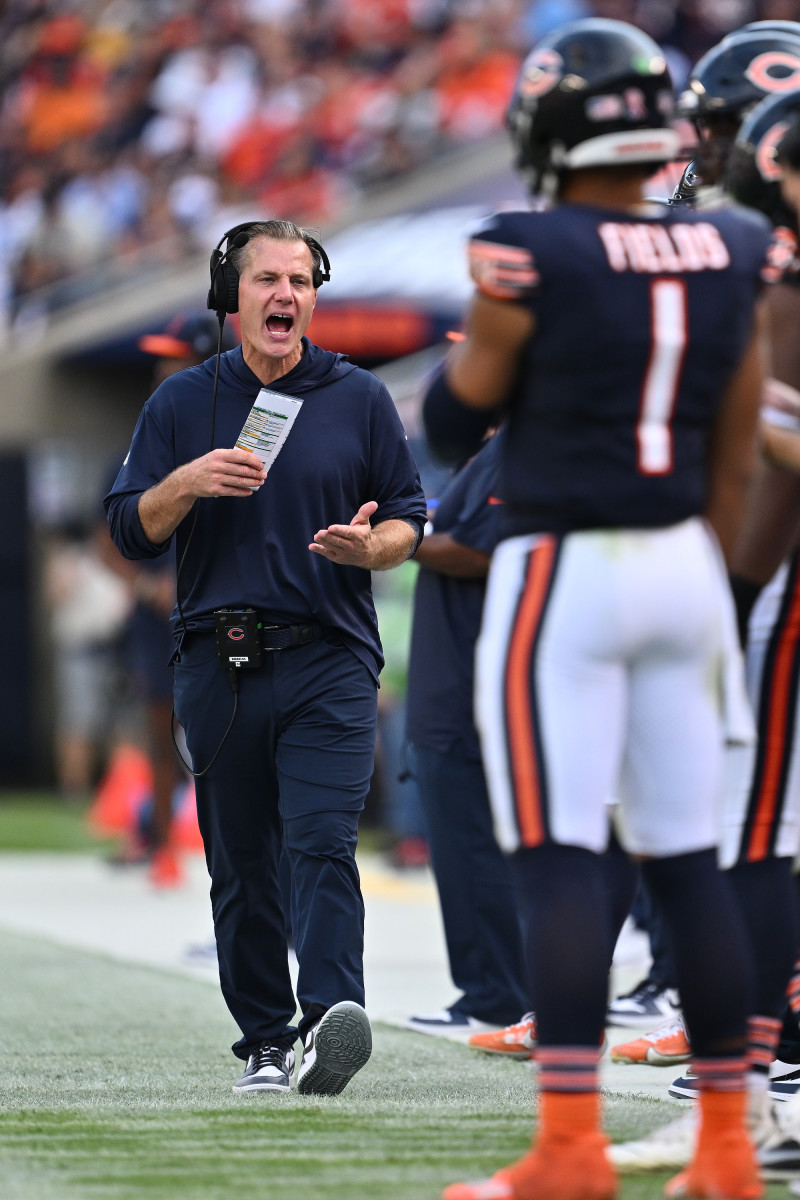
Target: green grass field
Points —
{"points": [[39, 821], [116, 1085]]}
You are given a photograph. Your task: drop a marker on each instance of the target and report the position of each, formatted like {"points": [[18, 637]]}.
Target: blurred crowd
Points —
{"points": [[132, 132]]}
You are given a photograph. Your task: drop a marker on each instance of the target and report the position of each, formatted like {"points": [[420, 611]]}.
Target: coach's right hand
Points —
{"points": [[218, 473], [223, 473]]}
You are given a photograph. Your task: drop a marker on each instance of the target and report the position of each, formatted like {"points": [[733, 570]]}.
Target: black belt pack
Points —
{"points": [[242, 637]]}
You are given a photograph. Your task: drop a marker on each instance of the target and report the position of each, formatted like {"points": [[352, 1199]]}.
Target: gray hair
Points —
{"points": [[276, 231]]}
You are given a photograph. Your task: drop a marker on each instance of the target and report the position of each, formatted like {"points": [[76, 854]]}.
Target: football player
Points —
{"points": [[762, 807], [621, 338], [761, 813], [760, 59]]}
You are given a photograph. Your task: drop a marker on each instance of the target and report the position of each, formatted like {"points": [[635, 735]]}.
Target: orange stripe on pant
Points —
{"points": [[766, 804], [519, 704]]}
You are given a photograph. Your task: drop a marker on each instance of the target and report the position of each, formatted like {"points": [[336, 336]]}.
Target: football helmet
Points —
{"points": [[739, 71], [790, 27], [728, 81], [595, 92], [753, 175]]}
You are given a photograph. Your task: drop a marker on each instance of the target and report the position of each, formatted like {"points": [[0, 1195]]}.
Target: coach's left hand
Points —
{"points": [[352, 545], [359, 544]]}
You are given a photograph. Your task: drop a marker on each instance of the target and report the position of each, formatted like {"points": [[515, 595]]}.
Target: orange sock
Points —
{"points": [[721, 1110], [568, 1114], [724, 1162], [568, 1158]]}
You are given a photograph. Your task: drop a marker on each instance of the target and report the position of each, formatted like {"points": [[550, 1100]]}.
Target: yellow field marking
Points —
{"points": [[389, 887]]}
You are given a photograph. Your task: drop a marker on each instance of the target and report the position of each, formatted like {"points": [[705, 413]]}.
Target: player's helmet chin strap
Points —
{"points": [[544, 179], [552, 175]]}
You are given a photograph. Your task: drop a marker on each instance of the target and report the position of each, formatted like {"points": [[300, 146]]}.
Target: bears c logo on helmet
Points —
{"points": [[765, 154], [774, 71]]}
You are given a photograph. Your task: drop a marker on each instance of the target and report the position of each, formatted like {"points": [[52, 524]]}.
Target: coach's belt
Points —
{"points": [[283, 637]]}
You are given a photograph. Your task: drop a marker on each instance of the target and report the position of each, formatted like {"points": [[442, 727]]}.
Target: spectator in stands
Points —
{"points": [[213, 95], [147, 120]]}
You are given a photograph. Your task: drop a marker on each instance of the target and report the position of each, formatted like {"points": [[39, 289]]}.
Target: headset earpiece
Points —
{"points": [[223, 294], [322, 273]]}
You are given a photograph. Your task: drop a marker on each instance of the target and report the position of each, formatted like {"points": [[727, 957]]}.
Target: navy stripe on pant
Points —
{"points": [[294, 770]]}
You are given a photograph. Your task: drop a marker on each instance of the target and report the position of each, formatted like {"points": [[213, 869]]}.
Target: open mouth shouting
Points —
{"points": [[279, 324]]}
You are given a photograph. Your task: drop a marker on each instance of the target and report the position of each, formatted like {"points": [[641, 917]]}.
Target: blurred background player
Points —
{"points": [[621, 338], [186, 341], [758, 60], [476, 891], [89, 606]]}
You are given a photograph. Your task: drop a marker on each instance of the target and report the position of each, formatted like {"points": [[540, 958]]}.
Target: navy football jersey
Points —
{"points": [[640, 324]]}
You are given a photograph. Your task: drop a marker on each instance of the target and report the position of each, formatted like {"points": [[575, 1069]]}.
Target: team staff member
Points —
{"points": [[484, 946], [621, 338], [298, 757]]}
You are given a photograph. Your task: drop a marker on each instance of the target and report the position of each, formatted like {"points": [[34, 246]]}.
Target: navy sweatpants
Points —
{"points": [[476, 887], [295, 768]]}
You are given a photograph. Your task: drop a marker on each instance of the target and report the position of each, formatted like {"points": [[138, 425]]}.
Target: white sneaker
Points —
{"points": [[646, 1005], [449, 1024], [671, 1146], [334, 1049], [779, 1151], [269, 1069], [668, 1148]]}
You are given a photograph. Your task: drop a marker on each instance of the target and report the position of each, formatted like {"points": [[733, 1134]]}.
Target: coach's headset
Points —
{"points": [[223, 298], [223, 295]]}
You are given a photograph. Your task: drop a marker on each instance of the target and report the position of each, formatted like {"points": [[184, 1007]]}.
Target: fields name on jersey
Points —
{"points": [[656, 249]]}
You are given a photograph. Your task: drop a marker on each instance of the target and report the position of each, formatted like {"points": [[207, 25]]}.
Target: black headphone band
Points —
{"points": [[219, 256]]}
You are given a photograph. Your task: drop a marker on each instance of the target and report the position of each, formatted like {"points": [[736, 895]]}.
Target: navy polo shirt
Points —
{"points": [[447, 613], [347, 446]]}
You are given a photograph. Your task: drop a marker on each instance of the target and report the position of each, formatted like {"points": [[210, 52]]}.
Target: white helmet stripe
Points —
{"points": [[633, 146]]}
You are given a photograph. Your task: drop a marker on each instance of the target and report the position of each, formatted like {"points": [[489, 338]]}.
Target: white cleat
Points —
{"points": [[668, 1148]]}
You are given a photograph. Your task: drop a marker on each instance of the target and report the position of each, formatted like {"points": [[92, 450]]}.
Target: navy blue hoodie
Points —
{"points": [[347, 446]]}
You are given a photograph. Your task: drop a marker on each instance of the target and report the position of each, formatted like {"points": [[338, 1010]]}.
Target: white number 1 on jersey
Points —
{"points": [[660, 385]]}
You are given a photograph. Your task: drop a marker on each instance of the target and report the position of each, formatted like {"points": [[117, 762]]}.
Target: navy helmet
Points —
{"points": [[742, 69], [592, 93], [753, 173]]}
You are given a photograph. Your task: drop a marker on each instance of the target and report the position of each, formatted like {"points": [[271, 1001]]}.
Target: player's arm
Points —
{"points": [[781, 446], [468, 396], [733, 445], [483, 368], [780, 426], [771, 525], [442, 553]]}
